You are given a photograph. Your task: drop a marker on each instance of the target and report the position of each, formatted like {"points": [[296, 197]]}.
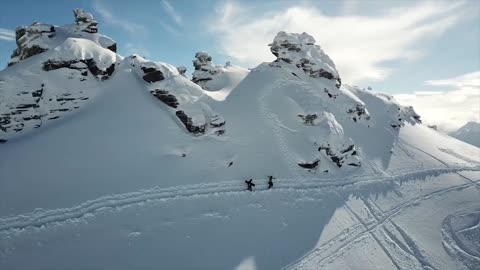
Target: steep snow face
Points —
{"points": [[322, 128], [469, 133], [39, 38], [43, 88], [300, 50]]}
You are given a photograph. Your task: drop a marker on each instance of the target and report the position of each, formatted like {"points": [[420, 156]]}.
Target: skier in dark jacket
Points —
{"points": [[270, 181], [249, 184]]}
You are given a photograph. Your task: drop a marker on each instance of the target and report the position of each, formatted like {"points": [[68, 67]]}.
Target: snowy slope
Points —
{"points": [[149, 171], [469, 133]]}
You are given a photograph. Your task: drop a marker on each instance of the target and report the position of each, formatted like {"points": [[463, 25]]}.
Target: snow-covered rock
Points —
{"points": [[204, 69], [301, 51], [186, 100], [39, 38], [85, 21]]}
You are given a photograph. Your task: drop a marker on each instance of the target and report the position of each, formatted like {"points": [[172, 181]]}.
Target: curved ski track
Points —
{"points": [[41, 218]]}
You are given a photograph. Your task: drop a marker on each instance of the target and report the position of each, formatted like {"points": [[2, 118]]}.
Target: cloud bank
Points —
{"points": [[360, 45], [448, 109]]}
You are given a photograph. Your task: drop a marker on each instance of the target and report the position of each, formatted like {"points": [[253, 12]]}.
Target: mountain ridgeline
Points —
{"points": [[295, 106]]}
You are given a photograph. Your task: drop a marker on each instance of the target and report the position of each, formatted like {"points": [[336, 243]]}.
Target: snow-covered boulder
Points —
{"points": [[301, 51], [31, 41], [204, 69], [39, 37], [85, 21]]}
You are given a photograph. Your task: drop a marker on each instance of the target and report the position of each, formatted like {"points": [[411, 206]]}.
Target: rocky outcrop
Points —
{"points": [[347, 155], [310, 165], [38, 37], [152, 75], [301, 51], [204, 69], [85, 21], [31, 109], [358, 112], [165, 97], [31, 41], [188, 123], [81, 65], [406, 114], [309, 119]]}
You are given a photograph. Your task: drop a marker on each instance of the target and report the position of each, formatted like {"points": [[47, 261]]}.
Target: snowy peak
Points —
{"points": [[469, 133], [301, 51], [39, 38]]}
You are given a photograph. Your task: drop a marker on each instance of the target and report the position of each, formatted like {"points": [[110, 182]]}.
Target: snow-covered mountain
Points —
{"points": [[469, 133], [128, 163]]}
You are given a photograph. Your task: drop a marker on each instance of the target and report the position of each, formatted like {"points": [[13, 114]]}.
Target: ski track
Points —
{"points": [[41, 218], [359, 231], [453, 245], [276, 125]]}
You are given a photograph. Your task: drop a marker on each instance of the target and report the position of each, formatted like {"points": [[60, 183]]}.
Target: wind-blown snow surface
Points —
{"points": [[124, 183]]}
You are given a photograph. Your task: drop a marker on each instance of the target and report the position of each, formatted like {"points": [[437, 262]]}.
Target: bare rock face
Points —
{"points": [[188, 123], [301, 51], [85, 21], [81, 65], [204, 69], [31, 41], [152, 75], [165, 97]]}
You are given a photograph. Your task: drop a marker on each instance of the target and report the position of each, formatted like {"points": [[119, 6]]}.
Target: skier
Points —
{"points": [[270, 181], [249, 184]]}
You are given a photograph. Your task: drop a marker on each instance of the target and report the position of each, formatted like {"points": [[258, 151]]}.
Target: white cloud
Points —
{"points": [[6, 34], [449, 109], [359, 45], [110, 18], [171, 12]]}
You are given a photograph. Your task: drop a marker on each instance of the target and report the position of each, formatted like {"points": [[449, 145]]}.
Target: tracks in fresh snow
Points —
{"points": [[42, 218], [273, 121], [334, 248]]}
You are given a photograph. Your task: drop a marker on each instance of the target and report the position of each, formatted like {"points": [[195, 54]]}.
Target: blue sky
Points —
{"points": [[397, 47]]}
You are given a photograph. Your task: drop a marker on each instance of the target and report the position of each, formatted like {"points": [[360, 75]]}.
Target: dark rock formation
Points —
{"points": [[82, 65], [187, 122], [29, 41], [309, 119], [152, 75], [339, 157], [167, 98], [311, 165]]}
